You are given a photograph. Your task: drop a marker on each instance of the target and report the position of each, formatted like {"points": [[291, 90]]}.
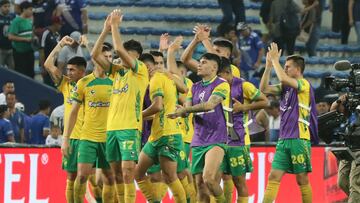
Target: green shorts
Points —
{"points": [[155, 168], [293, 156], [168, 146], [237, 160], [69, 163], [93, 153], [122, 145], [183, 161], [187, 149], [198, 157]]}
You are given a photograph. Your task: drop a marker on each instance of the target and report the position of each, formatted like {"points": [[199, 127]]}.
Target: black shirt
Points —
{"points": [[5, 21], [49, 41], [42, 12]]}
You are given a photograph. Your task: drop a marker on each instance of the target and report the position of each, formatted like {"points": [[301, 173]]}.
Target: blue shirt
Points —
{"points": [[39, 123], [5, 21], [250, 47], [74, 23], [27, 128], [5, 130], [17, 122]]}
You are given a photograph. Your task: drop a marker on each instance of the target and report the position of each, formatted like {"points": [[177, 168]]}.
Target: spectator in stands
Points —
{"points": [[27, 121], [269, 119], [265, 15], [43, 10], [17, 9], [55, 138], [322, 107], [252, 50], [78, 48], [6, 54], [16, 118], [7, 87], [57, 117], [317, 6], [20, 33], [340, 19], [228, 32], [354, 17], [308, 21], [6, 131], [40, 124], [49, 40], [228, 7], [284, 41], [75, 16]]}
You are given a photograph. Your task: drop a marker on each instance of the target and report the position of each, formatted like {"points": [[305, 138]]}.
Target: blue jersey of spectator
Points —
{"points": [[27, 128], [72, 11], [17, 122], [39, 124], [6, 131], [250, 47]]}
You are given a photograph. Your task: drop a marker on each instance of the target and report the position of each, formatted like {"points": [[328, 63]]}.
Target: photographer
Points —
{"points": [[349, 173]]}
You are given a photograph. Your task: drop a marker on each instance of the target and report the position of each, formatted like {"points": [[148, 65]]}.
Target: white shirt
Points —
{"points": [[57, 116], [2, 98], [52, 141], [274, 123], [20, 1]]}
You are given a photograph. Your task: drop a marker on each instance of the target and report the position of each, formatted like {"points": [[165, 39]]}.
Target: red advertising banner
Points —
{"points": [[34, 175]]}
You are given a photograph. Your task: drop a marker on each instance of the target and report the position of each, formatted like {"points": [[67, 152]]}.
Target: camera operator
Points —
{"points": [[348, 173]]}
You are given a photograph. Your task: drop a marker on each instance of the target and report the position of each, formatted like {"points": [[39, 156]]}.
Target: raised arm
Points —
{"points": [[171, 61], [96, 53], [116, 19], [265, 86], [54, 72]]}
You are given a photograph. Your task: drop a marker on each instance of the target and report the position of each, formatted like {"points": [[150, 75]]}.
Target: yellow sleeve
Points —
{"points": [[140, 68], [235, 71], [222, 90], [78, 92], [63, 82], [250, 91], [189, 95], [156, 86], [113, 69], [303, 85]]}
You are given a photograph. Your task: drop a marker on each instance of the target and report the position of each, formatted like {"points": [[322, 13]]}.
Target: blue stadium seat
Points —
{"points": [[323, 48]]}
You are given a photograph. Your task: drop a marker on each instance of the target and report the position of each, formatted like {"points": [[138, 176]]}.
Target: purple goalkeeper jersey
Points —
{"points": [[146, 129], [209, 127]]}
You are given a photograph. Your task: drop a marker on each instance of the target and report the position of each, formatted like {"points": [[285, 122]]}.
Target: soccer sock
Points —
{"points": [[306, 193], [243, 200], [228, 190], [108, 193], [178, 191], [79, 191], [69, 191], [164, 190], [130, 192], [212, 199], [189, 190], [271, 191], [120, 192], [220, 198], [157, 191], [95, 188], [146, 189]]}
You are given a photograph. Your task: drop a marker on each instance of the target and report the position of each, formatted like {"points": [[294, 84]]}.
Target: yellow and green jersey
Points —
{"points": [[126, 102], [186, 124], [235, 71], [161, 85], [66, 88], [94, 93]]}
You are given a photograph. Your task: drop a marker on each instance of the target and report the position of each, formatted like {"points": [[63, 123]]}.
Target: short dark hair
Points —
{"points": [[298, 60], [25, 5], [8, 81], [225, 65], [274, 104], [3, 2], [3, 108], [157, 53], [223, 43], [54, 126], [44, 104], [106, 47], [79, 61], [146, 57], [212, 57], [10, 93], [133, 45], [223, 29]]}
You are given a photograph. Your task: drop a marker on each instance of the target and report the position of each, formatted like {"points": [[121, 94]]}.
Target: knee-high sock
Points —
{"points": [[95, 188], [306, 193], [120, 192], [220, 198], [69, 191], [271, 191], [178, 191], [79, 191], [243, 200], [145, 187], [130, 193], [108, 193], [164, 189], [189, 190], [158, 191], [228, 190]]}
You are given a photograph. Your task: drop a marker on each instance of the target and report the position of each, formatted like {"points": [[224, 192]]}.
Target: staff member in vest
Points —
{"points": [[207, 99], [298, 123]]}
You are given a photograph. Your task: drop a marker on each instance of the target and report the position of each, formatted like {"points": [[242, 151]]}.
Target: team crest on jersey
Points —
{"points": [[201, 96], [92, 92]]}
